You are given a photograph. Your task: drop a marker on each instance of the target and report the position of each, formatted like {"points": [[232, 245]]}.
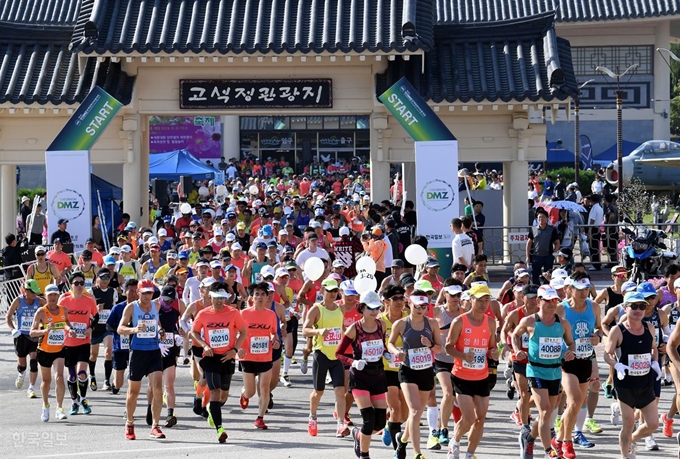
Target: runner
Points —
{"points": [[634, 383], [280, 311], [256, 357], [24, 307], [42, 271], [286, 296], [348, 302], [121, 343], [50, 325], [105, 298], [544, 353], [126, 266], [225, 330], [472, 343], [324, 324], [367, 383], [140, 319]]}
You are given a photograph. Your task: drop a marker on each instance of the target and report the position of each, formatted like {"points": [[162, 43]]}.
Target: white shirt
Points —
{"points": [[596, 215], [191, 290], [532, 194], [388, 253], [307, 254], [463, 247], [231, 171], [597, 187]]}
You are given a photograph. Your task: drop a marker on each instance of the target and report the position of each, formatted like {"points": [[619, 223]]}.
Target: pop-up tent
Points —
{"points": [[557, 154], [173, 164], [109, 194]]}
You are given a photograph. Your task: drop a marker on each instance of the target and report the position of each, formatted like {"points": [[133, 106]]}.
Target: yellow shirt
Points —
{"points": [[389, 363], [332, 320]]}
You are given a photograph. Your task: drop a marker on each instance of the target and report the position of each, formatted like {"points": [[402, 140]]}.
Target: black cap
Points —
{"points": [[76, 274], [406, 279], [224, 254], [206, 249], [103, 272], [396, 263], [530, 290], [90, 239], [393, 290], [169, 292]]}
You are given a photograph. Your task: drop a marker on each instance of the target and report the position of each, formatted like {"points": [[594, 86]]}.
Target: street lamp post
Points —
{"points": [[577, 135], [619, 117]]}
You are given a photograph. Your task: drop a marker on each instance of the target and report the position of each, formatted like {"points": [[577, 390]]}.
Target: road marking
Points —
{"points": [[140, 450]]}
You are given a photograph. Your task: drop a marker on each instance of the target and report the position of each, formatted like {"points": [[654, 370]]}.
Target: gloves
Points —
{"points": [[15, 333], [165, 349], [178, 340], [655, 367], [359, 364], [621, 370]]}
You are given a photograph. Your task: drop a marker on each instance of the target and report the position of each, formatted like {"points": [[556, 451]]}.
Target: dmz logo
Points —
{"points": [[437, 195], [68, 204]]}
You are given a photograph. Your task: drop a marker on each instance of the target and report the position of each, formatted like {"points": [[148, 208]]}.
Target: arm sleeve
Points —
{"points": [[345, 344]]}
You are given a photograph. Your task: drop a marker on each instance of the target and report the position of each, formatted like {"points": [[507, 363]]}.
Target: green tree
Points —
{"points": [[675, 91]]}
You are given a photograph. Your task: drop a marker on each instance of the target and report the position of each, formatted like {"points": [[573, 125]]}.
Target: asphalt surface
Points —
{"points": [[23, 434]]}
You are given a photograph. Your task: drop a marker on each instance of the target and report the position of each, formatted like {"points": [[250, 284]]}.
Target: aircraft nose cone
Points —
{"points": [[612, 174]]}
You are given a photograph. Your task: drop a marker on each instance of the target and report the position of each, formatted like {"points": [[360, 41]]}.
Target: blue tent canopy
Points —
{"points": [[557, 154], [173, 164], [610, 153], [109, 194]]}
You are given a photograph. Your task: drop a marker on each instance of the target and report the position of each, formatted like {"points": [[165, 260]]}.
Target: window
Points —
{"points": [[331, 122], [587, 58], [298, 123]]}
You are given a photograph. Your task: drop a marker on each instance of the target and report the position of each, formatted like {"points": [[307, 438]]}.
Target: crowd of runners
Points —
{"points": [[242, 282]]}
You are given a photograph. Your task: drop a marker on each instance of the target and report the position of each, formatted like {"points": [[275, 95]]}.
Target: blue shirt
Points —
{"points": [[145, 340], [113, 321]]}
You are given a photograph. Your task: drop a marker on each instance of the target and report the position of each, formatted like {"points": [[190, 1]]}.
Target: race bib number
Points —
{"points": [[56, 336], [88, 283], [289, 313], [549, 348], [124, 342], [372, 351], [639, 364], [26, 323], [525, 341], [259, 345], [584, 348], [393, 360], [219, 338], [333, 337], [104, 315], [479, 360], [79, 328], [169, 340], [420, 358], [319, 297], [150, 331]]}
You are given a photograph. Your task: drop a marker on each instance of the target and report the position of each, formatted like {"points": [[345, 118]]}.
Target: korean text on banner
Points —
{"points": [[68, 196], [436, 190], [88, 122], [416, 117]]}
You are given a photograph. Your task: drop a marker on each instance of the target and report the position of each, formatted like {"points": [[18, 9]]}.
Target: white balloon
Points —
{"points": [[203, 191], [365, 282], [366, 264], [185, 208], [314, 268], [415, 254], [221, 190], [254, 189]]}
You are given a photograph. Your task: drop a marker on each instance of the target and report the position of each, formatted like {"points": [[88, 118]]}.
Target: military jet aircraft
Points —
{"points": [[655, 163]]}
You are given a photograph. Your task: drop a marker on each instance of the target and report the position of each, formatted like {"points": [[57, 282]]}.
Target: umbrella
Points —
{"points": [[567, 205]]}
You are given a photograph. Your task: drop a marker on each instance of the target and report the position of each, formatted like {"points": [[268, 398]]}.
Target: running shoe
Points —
{"points": [[293, 360], [443, 437], [197, 406], [304, 366], [357, 441], [558, 422], [328, 379], [507, 374], [515, 417], [45, 413], [400, 453], [115, 390], [156, 432], [526, 443], [59, 414], [285, 380], [433, 441], [511, 388], [30, 393], [75, 406], [582, 441], [667, 425], [454, 451], [342, 430], [456, 413], [221, 435], [650, 444], [270, 404], [386, 436], [130, 431], [106, 386], [244, 402], [608, 390], [592, 426], [420, 456], [556, 446], [312, 427], [170, 421], [632, 451], [259, 423], [568, 450], [86, 406], [19, 382], [93, 383], [615, 417]]}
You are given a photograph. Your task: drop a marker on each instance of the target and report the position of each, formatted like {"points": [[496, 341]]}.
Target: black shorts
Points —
{"points": [[491, 380], [197, 352], [520, 368], [23, 345], [218, 374], [581, 368], [392, 378], [440, 367], [321, 365], [169, 361], [292, 325], [276, 353], [635, 397], [553, 385], [100, 338], [76, 354], [471, 388], [46, 359], [255, 367], [424, 378], [143, 363], [374, 384], [121, 360]]}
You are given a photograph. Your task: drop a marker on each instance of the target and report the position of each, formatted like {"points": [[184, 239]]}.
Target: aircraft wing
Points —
{"points": [[662, 162]]}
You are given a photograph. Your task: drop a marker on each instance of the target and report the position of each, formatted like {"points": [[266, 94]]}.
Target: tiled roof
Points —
{"points": [[511, 61], [252, 26], [470, 11], [40, 12]]}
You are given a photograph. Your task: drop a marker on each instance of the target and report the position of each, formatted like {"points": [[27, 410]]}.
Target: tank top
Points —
{"points": [[472, 339], [168, 320], [636, 353], [418, 357], [42, 278], [54, 340], [614, 299], [152, 269], [390, 361], [255, 276], [108, 298], [673, 316], [278, 322], [444, 333], [127, 270], [90, 275], [370, 347], [333, 321], [146, 340], [666, 298], [582, 328], [545, 350], [24, 315], [524, 340], [656, 323]]}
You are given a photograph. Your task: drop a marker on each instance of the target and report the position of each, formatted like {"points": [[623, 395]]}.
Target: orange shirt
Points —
{"points": [[219, 329], [475, 339], [261, 327], [296, 285], [376, 249], [54, 340], [304, 187], [80, 314], [61, 260]]}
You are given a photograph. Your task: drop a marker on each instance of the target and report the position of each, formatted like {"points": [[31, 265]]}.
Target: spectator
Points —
{"points": [[97, 232], [560, 188], [480, 219], [597, 187], [222, 165], [543, 242], [11, 256], [611, 217], [462, 247], [61, 232], [26, 210], [548, 189], [595, 219], [38, 224]]}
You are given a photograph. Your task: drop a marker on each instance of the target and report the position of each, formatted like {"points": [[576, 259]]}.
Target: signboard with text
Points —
{"points": [[200, 135]]}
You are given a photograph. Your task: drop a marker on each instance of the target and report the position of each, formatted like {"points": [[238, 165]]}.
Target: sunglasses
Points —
{"points": [[637, 306], [397, 298], [78, 283], [420, 306], [104, 278], [39, 254]]}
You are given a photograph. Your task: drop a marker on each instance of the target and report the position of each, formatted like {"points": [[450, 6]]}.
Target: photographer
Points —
{"points": [[11, 256]]}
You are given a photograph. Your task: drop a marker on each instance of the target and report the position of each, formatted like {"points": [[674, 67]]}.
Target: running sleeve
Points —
{"points": [[345, 343]]}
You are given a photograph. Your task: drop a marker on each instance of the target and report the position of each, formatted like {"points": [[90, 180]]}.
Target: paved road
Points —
{"points": [[23, 434]]}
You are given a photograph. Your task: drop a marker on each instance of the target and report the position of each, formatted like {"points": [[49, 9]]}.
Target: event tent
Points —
{"points": [[109, 194], [173, 164], [558, 154]]}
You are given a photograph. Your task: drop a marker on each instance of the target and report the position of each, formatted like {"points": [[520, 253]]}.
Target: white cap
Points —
{"points": [[40, 248], [314, 224], [215, 264], [557, 283], [546, 292], [283, 232], [453, 289], [207, 282], [114, 251], [559, 273], [162, 233], [370, 299], [126, 249], [282, 272], [218, 232], [267, 271], [24, 199], [230, 237], [236, 246], [152, 240], [344, 231]]}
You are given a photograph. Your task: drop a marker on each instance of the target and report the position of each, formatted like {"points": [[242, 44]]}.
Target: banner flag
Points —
{"points": [[586, 153]]}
